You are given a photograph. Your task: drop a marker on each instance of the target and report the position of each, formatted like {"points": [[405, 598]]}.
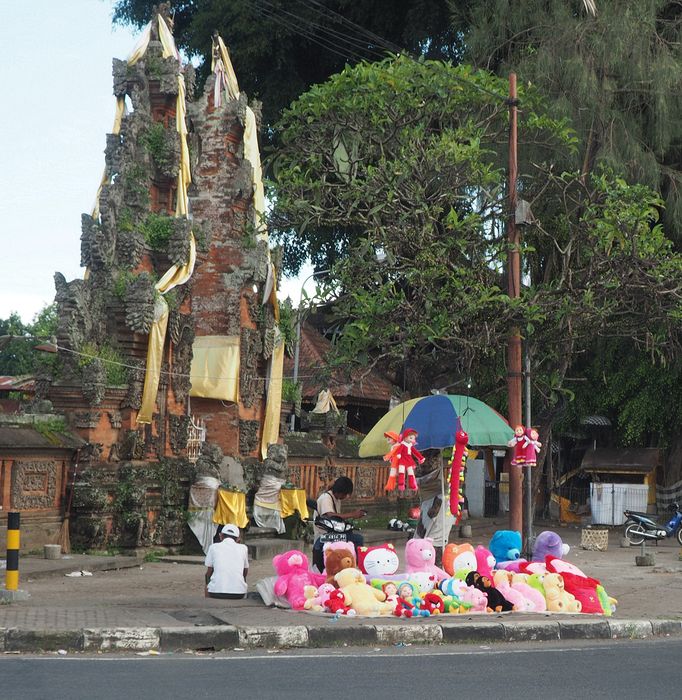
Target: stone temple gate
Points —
{"points": [[171, 337]]}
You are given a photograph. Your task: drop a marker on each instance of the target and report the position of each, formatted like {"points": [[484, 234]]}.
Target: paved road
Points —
{"points": [[620, 670]]}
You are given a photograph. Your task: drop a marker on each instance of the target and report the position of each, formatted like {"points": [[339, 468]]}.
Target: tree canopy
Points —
{"points": [[617, 74], [280, 48], [403, 156]]}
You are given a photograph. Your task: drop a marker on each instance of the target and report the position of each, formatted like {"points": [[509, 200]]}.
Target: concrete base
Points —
{"points": [[645, 559], [10, 596]]}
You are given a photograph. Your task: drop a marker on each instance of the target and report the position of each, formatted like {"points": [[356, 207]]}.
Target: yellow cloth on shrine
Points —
{"points": [[230, 508], [292, 500], [157, 336], [215, 367], [273, 406]]}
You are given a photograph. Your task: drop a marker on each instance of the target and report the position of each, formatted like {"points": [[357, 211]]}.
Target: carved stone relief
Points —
{"points": [[179, 432], [250, 385], [248, 436], [115, 419], [87, 419], [34, 485]]}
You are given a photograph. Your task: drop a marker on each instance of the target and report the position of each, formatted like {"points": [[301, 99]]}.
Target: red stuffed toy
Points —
{"points": [[336, 603], [519, 445], [405, 455], [393, 440], [531, 446], [433, 604], [458, 462]]}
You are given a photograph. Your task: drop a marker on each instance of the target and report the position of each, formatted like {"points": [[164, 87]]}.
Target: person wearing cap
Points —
{"points": [[227, 564]]}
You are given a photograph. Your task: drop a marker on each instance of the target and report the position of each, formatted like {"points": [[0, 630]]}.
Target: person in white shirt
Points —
{"points": [[227, 564]]}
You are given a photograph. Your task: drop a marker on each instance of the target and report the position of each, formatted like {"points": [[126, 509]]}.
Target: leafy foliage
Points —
{"points": [[405, 158], [280, 48], [19, 357], [617, 74]]}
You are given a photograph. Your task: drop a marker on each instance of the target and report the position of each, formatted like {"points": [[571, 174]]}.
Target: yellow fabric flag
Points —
{"points": [[157, 336], [292, 500], [215, 367], [230, 508], [273, 406]]}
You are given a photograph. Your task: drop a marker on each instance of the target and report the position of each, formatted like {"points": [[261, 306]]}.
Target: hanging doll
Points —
{"points": [[458, 462], [532, 446], [393, 440], [518, 443], [406, 454]]}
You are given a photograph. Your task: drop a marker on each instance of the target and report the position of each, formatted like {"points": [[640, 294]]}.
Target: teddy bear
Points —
{"points": [[293, 575], [378, 561], [336, 560], [458, 557], [548, 542], [360, 596], [534, 598], [316, 598], [336, 603], [420, 556], [505, 545], [502, 581], [485, 561], [558, 599]]}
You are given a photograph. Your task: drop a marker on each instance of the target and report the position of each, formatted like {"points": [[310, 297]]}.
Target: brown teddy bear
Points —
{"points": [[335, 560]]}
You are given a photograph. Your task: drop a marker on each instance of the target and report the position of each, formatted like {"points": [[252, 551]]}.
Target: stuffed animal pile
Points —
{"points": [[370, 582]]}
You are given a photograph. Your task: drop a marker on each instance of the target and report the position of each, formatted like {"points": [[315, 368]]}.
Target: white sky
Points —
{"points": [[58, 107]]}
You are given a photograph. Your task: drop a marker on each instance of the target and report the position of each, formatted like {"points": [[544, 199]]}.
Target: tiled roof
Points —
{"points": [[23, 383], [371, 389]]}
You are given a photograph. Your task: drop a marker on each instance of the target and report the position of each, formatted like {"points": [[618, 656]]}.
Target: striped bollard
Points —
{"points": [[12, 572]]}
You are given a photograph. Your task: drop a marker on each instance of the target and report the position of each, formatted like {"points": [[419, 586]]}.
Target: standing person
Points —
{"points": [[329, 504], [434, 522], [227, 564]]}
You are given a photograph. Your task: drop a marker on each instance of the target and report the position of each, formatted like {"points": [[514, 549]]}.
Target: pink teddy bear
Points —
{"points": [[420, 555], [316, 598], [293, 575]]}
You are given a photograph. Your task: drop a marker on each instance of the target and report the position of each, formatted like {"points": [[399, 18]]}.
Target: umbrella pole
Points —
{"points": [[442, 500]]}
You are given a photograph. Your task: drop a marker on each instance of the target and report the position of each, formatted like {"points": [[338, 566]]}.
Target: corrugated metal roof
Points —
{"points": [[639, 460], [599, 421], [23, 383], [372, 389]]}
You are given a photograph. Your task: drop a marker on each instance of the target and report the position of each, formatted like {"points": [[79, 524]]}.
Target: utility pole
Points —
{"points": [[514, 369]]}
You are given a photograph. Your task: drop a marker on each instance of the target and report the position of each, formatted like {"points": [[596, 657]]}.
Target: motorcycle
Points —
{"points": [[336, 529], [641, 526]]}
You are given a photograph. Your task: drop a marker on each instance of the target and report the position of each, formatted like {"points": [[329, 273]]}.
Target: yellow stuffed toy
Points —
{"points": [[558, 599], [363, 598]]}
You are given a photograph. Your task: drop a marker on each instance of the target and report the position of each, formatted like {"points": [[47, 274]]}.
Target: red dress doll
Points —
{"points": [[406, 454]]}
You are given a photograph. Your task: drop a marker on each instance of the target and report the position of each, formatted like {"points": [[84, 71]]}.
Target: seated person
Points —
{"points": [[329, 503], [227, 564]]}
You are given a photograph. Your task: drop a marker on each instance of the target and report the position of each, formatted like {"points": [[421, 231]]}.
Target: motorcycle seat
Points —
{"points": [[648, 516]]}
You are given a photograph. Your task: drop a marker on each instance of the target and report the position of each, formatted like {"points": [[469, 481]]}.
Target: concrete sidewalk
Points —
{"points": [[131, 604]]}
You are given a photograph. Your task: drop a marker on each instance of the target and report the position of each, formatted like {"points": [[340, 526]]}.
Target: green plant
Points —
{"points": [[50, 426], [291, 391], [157, 142], [155, 555], [157, 229], [125, 220], [117, 373], [122, 281]]}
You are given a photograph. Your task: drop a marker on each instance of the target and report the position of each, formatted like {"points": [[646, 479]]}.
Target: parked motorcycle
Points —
{"points": [[335, 530], [641, 526]]}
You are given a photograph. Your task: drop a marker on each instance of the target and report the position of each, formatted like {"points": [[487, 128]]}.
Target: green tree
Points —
{"points": [[617, 74], [404, 157], [17, 354], [280, 48]]}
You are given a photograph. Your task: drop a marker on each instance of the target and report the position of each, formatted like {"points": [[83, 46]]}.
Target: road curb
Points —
{"points": [[227, 637]]}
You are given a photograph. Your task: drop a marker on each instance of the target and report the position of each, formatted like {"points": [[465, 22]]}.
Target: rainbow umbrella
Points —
{"points": [[437, 418]]}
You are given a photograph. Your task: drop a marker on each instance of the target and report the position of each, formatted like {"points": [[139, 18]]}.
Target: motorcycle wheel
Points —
{"points": [[679, 534], [635, 533]]}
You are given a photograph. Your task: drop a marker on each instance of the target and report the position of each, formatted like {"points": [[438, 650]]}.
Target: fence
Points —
{"points": [[604, 503]]}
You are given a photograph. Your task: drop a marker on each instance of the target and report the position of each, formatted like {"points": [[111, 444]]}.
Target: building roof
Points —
{"points": [[24, 383], [641, 460], [371, 389]]}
